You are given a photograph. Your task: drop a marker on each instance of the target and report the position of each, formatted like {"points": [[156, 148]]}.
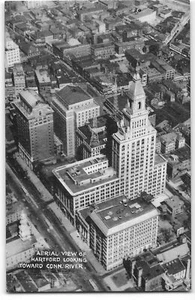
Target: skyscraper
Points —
{"points": [[35, 128], [135, 165], [133, 147]]}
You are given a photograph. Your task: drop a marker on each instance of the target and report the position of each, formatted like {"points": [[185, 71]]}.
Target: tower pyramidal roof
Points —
{"points": [[135, 87]]}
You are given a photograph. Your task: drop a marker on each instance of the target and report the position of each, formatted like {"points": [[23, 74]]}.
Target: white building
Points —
{"points": [[119, 228], [83, 183], [35, 4], [135, 165], [134, 157], [12, 53]]}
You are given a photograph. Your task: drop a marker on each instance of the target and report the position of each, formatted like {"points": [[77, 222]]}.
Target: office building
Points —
{"points": [[73, 107], [83, 183], [35, 128], [12, 53], [18, 78], [135, 165], [119, 228], [133, 150]]}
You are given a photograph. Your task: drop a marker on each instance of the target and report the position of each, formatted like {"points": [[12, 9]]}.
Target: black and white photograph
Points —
{"points": [[97, 146]]}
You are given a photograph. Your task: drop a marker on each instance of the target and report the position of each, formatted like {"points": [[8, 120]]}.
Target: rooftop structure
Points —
{"points": [[85, 174], [119, 227], [72, 94], [42, 76], [119, 213]]}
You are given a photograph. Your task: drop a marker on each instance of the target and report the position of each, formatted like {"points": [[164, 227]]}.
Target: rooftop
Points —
{"points": [[119, 213], [85, 174], [30, 97], [170, 252], [159, 159], [16, 246], [174, 202], [149, 263], [38, 278], [182, 154], [26, 282], [173, 267], [42, 76], [72, 95], [169, 137]]}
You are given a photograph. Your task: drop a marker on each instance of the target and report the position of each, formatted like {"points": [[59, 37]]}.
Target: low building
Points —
{"points": [[164, 68], [91, 138], [146, 15], [175, 206], [19, 247], [29, 49], [9, 87], [175, 273], [44, 84], [178, 162], [12, 53], [63, 49], [18, 78], [171, 141], [103, 50], [164, 268], [146, 272]]}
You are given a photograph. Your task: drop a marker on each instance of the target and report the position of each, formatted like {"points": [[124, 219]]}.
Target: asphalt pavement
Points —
{"points": [[56, 236]]}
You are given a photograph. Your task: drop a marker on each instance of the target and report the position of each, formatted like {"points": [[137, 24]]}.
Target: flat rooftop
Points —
{"points": [[75, 179], [72, 95], [183, 154], [16, 246], [159, 159], [119, 213], [42, 76]]}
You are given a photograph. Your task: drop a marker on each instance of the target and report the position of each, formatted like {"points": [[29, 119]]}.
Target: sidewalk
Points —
{"points": [[45, 195], [75, 236]]}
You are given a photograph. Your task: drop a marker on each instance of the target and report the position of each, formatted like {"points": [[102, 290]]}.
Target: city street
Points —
{"points": [[55, 235]]}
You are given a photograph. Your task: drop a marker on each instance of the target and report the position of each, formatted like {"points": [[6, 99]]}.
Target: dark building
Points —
{"points": [[35, 128]]}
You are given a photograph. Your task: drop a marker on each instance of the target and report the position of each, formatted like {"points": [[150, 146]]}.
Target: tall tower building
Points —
{"points": [[133, 147], [35, 128]]}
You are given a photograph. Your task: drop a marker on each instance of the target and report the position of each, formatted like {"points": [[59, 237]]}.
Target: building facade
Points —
{"points": [[35, 128], [18, 78], [73, 107], [119, 228], [91, 138], [133, 148], [12, 53], [83, 183]]}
